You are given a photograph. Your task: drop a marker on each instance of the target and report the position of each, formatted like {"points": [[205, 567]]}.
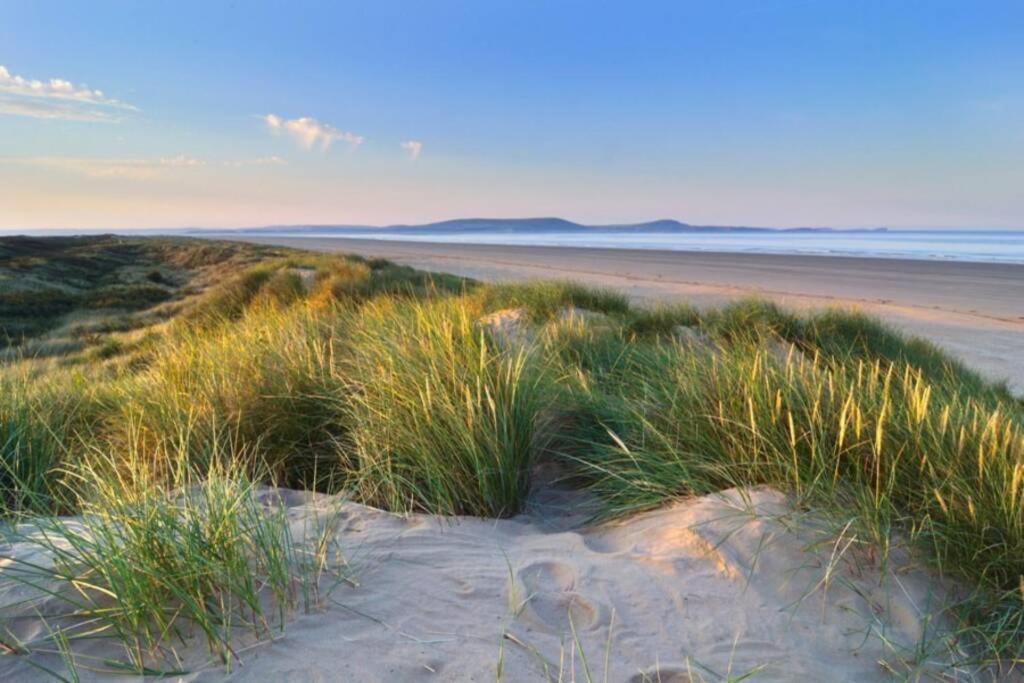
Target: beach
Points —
{"points": [[973, 310]]}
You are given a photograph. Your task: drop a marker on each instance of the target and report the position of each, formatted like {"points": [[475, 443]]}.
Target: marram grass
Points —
{"points": [[945, 466], [441, 419], [154, 567], [343, 374]]}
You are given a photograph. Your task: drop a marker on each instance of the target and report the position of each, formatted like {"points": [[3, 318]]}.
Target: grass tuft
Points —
{"points": [[152, 567], [441, 419]]}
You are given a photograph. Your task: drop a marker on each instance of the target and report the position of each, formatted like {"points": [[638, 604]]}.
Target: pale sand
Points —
{"points": [[711, 587], [974, 310]]}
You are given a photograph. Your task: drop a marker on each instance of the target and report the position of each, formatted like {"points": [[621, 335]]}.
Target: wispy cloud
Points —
{"points": [[413, 147], [310, 133], [272, 160], [53, 110], [57, 98], [129, 169], [134, 169]]}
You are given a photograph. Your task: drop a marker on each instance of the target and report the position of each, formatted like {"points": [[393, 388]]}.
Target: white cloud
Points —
{"points": [[310, 133], [413, 147], [56, 98], [53, 110], [181, 160]]}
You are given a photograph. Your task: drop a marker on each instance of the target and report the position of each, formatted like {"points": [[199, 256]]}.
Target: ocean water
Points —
{"points": [[963, 245]]}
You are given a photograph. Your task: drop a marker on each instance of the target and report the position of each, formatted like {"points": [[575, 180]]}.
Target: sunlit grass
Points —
{"points": [[441, 420], [153, 566], [872, 441], [342, 374]]}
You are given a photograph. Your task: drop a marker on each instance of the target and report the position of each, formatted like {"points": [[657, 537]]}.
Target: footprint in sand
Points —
{"points": [[548, 576], [463, 588], [603, 543], [551, 599]]}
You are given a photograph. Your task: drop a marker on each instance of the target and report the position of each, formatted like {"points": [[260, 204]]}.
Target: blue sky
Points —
{"points": [[759, 113]]}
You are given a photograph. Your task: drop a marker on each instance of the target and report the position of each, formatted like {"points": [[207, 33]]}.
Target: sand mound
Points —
{"points": [[714, 586], [510, 327]]}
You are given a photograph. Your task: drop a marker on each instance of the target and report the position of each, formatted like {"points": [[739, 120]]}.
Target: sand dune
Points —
{"points": [[700, 590], [973, 310], [709, 588]]}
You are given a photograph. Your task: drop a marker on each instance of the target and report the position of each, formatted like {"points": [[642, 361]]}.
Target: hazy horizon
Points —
{"points": [[451, 219], [122, 116]]}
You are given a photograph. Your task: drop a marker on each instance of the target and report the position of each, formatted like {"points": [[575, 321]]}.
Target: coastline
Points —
{"points": [[974, 310]]}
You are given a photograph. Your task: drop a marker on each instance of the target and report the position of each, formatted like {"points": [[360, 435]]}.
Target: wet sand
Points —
{"points": [[974, 310]]}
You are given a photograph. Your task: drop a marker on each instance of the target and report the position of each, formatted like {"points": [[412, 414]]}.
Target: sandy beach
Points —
{"points": [[974, 310]]}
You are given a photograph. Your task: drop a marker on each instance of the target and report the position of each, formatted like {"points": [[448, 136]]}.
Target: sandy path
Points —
{"points": [[974, 310]]}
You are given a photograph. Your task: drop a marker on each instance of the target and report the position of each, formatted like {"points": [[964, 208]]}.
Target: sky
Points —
{"points": [[224, 114]]}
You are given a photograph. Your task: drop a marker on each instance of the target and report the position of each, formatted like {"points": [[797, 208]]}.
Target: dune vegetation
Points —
{"points": [[148, 387]]}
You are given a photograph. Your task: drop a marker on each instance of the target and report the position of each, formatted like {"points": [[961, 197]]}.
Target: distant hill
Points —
{"points": [[544, 224], [525, 225]]}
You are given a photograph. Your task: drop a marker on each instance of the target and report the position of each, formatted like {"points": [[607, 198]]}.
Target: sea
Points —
{"points": [[987, 246]]}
